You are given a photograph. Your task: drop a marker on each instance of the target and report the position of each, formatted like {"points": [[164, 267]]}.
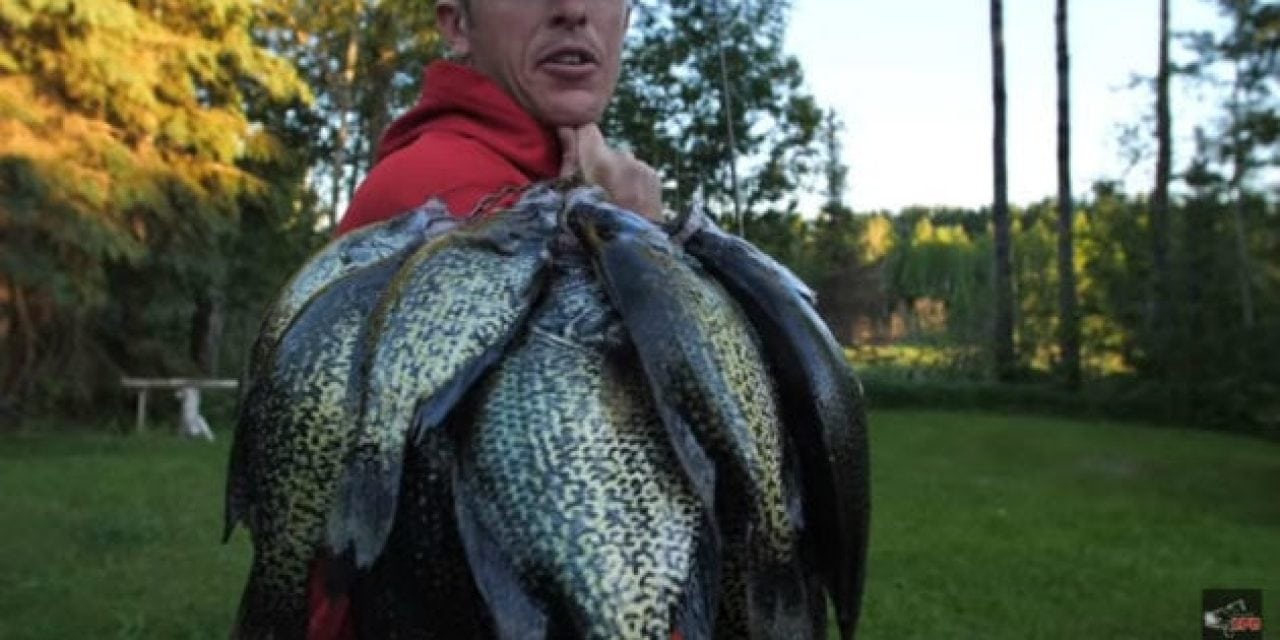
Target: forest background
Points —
{"points": [[166, 164]]}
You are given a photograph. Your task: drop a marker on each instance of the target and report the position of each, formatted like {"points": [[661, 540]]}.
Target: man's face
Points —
{"points": [[558, 58]]}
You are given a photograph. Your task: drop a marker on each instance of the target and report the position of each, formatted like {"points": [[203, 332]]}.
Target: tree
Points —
{"points": [[1249, 51], [834, 170], [936, 259], [1068, 313], [1005, 363], [123, 147], [364, 59], [1160, 311], [709, 98]]}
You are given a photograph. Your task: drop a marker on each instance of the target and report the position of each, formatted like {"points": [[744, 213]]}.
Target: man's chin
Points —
{"points": [[570, 111]]}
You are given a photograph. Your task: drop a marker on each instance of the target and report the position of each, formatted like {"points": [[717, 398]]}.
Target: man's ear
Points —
{"points": [[453, 25]]}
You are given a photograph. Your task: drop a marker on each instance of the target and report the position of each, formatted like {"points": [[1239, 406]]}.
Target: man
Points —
{"points": [[521, 106]]}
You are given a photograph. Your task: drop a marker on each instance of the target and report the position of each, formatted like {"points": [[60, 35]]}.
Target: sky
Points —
{"points": [[912, 82]]}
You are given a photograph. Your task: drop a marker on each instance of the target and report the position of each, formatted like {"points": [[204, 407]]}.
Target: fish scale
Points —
{"points": [[295, 429], [826, 410], [567, 467], [705, 369], [336, 260], [442, 322]]}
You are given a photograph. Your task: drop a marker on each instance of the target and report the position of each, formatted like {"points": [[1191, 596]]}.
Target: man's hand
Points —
{"points": [[630, 183]]}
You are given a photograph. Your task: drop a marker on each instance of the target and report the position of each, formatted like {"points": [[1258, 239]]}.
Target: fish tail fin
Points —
{"points": [[779, 602], [515, 613], [364, 508]]}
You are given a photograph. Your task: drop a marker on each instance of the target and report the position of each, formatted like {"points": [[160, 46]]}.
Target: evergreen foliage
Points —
{"points": [[363, 59], [124, 152], [692, 65]]}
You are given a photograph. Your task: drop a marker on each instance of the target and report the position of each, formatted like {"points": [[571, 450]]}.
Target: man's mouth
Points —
{"points": [[570, 57]]}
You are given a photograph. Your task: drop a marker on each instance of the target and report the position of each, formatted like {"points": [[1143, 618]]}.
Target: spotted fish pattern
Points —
{"points": [[295, 429], [711, 367], [704, 364], [344, 255], [442, 322], [341, 257], [566, 466], [553, 422], [822, 399]]}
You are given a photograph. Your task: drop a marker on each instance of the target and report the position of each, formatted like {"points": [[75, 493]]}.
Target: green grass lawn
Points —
{"points": [[985, 527]]}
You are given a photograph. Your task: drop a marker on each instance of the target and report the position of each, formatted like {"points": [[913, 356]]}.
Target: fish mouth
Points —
{"points": [[582, 216], [596, 221]]}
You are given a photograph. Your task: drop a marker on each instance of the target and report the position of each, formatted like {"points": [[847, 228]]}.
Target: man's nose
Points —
{"points": [[569, 13]]}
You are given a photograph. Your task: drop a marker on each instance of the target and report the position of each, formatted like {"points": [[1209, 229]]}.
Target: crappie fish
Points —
{"points": [[292, 436], [443, 321], [577, 519], [822, 399], [709, 378], [337, 259]]}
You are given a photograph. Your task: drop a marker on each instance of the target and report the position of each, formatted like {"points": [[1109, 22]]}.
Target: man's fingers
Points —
{"points": [[593, 153], [568, 151], [630, 183]]}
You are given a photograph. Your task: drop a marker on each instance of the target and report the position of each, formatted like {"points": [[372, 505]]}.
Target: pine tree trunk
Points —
{"points": [[358, 158], [1003, 339], [345, 98], [206, 331], [23, 342], [1069, 321], [1159, 311], [1247, 314], [1240, 158]]}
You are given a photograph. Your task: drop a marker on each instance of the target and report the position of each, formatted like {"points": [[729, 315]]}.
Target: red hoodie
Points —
{"points": [[464, 141]]}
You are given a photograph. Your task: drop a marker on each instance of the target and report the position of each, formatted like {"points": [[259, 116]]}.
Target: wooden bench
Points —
{"points": [[188, 389]]}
